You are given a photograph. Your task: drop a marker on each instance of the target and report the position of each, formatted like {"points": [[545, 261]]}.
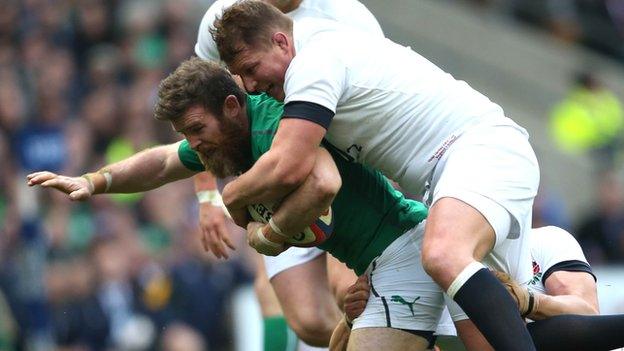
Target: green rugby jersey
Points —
{"points": [[369, 214]]}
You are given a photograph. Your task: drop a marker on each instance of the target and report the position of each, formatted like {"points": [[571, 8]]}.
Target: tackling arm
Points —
{"points": [[303, 206], [143, 171], [299, 209], [567, 293], [280, 170]]}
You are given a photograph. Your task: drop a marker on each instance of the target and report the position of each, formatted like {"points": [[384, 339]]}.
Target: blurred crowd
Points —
{"points": [[77, 88], [597, 24]]}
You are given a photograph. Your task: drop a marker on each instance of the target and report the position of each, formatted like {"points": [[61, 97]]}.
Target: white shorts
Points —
{"points": [[294, 256], [402, 295], [494, 170], [446, 326]]}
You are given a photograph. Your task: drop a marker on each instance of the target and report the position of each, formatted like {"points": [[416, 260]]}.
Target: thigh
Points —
{"points": [[494, 171], [340, 278], [304, 288], [387, 339], [269, 305]]}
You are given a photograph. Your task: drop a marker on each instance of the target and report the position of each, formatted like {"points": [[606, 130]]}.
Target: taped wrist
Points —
{"points": [[266, 242], [99, 182], [526, 300], [348, 322], [212, 197]]}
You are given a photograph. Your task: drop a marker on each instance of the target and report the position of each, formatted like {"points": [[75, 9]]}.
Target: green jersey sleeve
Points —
{"points": [[189, 157]]}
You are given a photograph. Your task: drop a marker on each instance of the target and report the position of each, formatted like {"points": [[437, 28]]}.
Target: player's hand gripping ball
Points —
{"points": [[313, 235]]}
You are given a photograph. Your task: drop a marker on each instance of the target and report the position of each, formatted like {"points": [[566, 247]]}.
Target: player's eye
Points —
{"points": [[251, 69]]}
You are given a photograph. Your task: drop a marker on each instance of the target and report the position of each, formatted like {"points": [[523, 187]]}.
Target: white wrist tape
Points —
{"points": [[266, 241], [109, 180], [90, 184], [275, 228], [210, 196]]}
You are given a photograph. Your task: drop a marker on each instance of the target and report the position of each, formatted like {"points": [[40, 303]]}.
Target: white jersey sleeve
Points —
{"points": [[348, 12], [206, 48], [553, 249], [319, 78]]}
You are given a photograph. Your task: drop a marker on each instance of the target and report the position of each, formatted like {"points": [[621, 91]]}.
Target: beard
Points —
{"points": [[233, 154]]}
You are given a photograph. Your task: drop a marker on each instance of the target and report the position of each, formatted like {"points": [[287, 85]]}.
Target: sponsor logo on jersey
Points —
{"points": [[402, 301], [537, 274], [263, 211]]}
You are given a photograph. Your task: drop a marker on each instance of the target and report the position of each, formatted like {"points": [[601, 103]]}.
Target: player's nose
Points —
{"points": [[250, 84], [194, 142]]}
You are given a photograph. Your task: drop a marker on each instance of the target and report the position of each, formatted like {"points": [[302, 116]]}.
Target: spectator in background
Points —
{"points": [[601, 234], [589, 120], [179, 337], [77, 84]]}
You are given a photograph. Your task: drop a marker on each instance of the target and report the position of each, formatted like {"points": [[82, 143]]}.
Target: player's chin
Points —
{"points": [[276, 93]]}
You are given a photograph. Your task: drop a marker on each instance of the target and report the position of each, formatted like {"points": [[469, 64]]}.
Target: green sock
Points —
{"points": [[277, 335]]}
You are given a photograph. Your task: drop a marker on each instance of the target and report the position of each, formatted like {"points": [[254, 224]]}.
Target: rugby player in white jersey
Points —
{"points": [[384, 105], [313, 326], [563, 285]]}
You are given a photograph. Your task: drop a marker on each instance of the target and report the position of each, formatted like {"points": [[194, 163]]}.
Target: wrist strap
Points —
{"points": [[108, 177], [265, 241], [531, 305], [99, 182], [210, 196], [348, 322], [275, 228]]}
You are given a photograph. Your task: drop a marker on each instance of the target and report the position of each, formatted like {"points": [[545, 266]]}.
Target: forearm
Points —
{"points": [[308, 202], [146, 170], [280, 170], [549, 306], [204, 181], [268, 181]]}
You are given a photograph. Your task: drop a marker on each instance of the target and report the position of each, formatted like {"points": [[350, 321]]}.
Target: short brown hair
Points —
{"points": [[247, 24], [195, 82]]}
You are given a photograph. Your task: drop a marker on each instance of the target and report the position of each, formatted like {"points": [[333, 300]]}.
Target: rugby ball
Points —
{"points": [[313, 235]]}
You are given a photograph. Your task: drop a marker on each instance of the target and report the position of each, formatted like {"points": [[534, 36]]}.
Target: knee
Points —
{"points": [[444, 262], [313, 327], [435, 260]]}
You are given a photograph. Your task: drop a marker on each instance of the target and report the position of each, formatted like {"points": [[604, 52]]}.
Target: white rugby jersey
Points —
{"points": [[554, 249], [350, 12], [394, 110]]}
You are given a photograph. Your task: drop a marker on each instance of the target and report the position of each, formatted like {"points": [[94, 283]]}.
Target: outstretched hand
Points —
{"points": [[215, 234], [77, 188]]}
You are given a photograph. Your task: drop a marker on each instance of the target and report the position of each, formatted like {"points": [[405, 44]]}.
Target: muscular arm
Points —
{"points": [[148, 169], [300, 208], [143, 171], [567, 293], [304, 205], [281, 170]]}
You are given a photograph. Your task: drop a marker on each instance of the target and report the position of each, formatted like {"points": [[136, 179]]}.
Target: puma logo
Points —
{"points": [[401, 300]]}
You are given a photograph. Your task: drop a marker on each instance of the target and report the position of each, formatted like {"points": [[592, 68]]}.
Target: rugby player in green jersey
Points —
{"points": [[376, 230]]}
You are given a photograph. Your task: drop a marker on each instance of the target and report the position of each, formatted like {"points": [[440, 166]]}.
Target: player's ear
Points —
{"points": [[231, 106], [282, 40]]}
